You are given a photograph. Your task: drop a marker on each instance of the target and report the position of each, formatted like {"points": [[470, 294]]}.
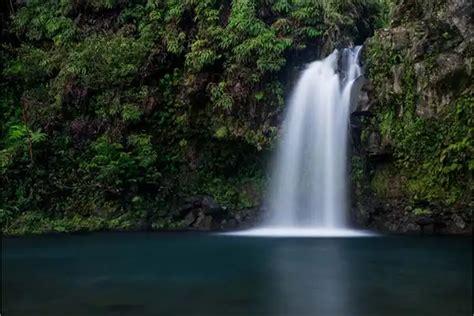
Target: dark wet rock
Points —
{"points": [[193, 200], [458, 221], [426, 52], [360, 100], [397, 73], [425, 221], [439, 80], [203, 202], [374, 143], [426, 224], [185, 208], [248, 217], [460, 13], [230, 224], [203, 222], [399, 37], [376, 150], [210, 206], [392, 227], [202, 212], [189, 219], [411, 228], [394, 217]]}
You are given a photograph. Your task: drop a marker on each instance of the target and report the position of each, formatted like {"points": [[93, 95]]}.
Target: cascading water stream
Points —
{"points": [[308, 189]]}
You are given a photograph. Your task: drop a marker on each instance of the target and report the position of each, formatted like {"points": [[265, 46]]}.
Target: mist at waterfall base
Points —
{"points": [[308, 188]]}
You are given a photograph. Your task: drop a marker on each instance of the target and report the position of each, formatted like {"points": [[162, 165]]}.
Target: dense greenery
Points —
{"points": [[113, 110], [424, 113]]}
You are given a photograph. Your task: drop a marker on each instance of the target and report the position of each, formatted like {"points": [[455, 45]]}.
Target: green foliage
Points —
{"points": [[221, 132], [110, 163], [16, 144], [357, 172], [434, 153], [115, 166], [421, 212], [385, 183], [44, 20], [242, 191], [119, 107], [115, 60], [387, 7], [37, 223]]}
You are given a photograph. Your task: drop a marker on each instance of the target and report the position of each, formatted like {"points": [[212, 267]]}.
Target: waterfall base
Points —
{"points": [[301, 232]]}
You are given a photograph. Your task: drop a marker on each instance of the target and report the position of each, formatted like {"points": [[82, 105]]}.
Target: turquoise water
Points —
{"points": [[201, 274]]}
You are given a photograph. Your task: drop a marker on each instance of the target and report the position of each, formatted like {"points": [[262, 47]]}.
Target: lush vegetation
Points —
{"points": [[112, 110], [424, 113]]}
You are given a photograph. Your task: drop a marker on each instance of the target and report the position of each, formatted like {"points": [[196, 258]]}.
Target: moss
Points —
{"points": [[357, 171], [433, 154], [386, 182], [38, 223], [421, 212], [238, 192]]}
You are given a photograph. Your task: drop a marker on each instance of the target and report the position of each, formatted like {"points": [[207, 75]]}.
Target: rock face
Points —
{"points": [[202, 212], [412, 126]]}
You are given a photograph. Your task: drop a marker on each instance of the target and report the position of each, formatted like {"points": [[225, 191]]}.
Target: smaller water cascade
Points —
{"points": [[308, 188]]}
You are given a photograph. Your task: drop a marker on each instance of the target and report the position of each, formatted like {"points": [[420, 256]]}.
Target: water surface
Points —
{"points": [[201, 274]]}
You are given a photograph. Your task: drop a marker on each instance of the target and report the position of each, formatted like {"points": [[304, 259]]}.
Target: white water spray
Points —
{"points": [[308, 190]]}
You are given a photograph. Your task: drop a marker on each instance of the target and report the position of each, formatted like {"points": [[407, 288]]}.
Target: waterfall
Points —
{"points": [[308, 188]]}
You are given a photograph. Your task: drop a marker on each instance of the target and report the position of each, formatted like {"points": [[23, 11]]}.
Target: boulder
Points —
{"points": [[185, 208], [203, 202], [189, 219], [458, 221], [376, 150], [359, 99], [425, 221], [210, 206], [203, 222], [460, 14], [411, 228]]}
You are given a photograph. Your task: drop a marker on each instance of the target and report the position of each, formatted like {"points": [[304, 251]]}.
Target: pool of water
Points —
{"points": [[179, 274]]}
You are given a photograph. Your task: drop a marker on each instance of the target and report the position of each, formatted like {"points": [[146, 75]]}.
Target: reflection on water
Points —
{"points": [[323, 279], [205, 275]]}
